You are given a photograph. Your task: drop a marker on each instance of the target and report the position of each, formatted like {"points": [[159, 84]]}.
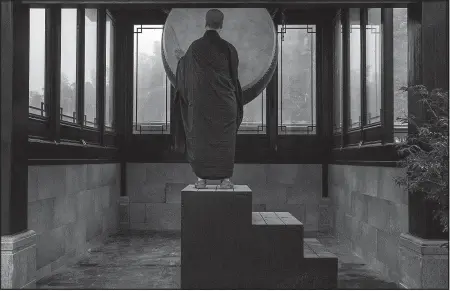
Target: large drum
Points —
{"points": [[250, 30]]}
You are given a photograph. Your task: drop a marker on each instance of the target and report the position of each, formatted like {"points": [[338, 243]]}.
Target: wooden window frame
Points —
{"points": [[52, 138]]}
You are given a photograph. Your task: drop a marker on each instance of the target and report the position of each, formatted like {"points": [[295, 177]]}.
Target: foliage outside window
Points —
{"points": [[37, 62], [338, 74], [68, 93], [400, 26], [355, 68], [109, 75], [151, 86], [426, 152], [90, 67], [297, 79]]}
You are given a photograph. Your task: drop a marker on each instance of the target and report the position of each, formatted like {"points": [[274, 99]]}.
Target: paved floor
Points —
{"points": [[152, 261]]}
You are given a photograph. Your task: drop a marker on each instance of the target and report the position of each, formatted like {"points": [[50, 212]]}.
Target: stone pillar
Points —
{"points": [[18, 247], [423, 262]]}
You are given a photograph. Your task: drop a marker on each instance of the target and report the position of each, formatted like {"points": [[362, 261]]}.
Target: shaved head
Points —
{"points": [[214, 19]]}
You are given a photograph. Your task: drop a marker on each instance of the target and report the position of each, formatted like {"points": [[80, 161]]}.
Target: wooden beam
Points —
{"points": [[14, 60]]}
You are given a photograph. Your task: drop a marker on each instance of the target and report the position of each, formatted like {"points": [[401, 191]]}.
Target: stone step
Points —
{"points": [[277, 239]]}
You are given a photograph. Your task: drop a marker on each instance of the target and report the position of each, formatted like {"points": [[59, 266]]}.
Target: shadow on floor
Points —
{"points": [[152, 261]]}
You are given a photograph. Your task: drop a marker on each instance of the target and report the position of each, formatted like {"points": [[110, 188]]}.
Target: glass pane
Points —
{"points": [[37, 62], [297, 79], [355, 68], [68, 64], [254, 120], [373, 65], [400, 24], [338, 75], [109, 85], [90, 68], [151, 85]]}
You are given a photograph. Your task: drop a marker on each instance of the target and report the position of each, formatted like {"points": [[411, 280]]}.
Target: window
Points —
{"points": [[297, 79], [37, 62], [355, 68], [151, 85], [338, 74], [254, 121], [68, 65], [109, 75], [400, 25], [373, 65], [90, 68]]}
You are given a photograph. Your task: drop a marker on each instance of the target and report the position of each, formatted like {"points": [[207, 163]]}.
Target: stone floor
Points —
{"points": [[152, 261]]}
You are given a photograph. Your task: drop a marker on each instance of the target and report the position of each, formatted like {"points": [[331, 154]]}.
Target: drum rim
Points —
{"points": [[249, 92]]}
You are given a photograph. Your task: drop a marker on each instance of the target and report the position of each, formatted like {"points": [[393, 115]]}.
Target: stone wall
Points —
{"points": [[71, 208], [154, 192], [371, 212]]}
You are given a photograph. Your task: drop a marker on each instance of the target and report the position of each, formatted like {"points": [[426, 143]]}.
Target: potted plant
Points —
{"points": [[425, 152]]}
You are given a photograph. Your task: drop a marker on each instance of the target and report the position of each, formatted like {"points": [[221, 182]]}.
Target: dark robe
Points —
{"points": [[208, 106]]}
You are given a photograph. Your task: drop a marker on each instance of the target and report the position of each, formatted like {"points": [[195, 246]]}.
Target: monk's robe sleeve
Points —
{"points": [[178, 133], [234, 64]]}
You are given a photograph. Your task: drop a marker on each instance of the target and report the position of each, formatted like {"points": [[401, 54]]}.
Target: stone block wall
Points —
{"points": [[154, 192], [371, 212], [71, 208]]}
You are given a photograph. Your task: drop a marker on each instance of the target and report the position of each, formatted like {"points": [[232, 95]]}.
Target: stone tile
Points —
{"points": [[85, 204], [378, 213], [388, 189], [173, 192], [325, 218], [76, 178], [303, 193], [94, 224], [387, 249], [253, 175], [33, 172], [161, 216], [51, 181], [273, 195], [258, 207], [169, 172], [137, 212], [40, 215], [360, 204], [311, 217], [50, 245], [148, 193], [283, 174], [435, 272], [65, 210], [398, 218], [136, 174], [94, 176], [298, 211]]}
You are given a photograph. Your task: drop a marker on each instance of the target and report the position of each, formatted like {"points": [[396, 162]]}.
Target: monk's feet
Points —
{"points": [[200, 184], [226, 184]]}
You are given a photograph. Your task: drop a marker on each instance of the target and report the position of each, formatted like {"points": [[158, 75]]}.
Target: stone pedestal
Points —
{"points": [[423, 263], [215, 230], [19, 260]]}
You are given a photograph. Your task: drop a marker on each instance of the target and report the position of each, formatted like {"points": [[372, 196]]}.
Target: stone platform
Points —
{"points": [[224, 245]]}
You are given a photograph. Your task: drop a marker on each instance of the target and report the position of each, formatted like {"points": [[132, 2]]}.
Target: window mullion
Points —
{"points": [[387, 81], [363, 117], [101, 70], [53, 69], [346, 75], [80, 65]]}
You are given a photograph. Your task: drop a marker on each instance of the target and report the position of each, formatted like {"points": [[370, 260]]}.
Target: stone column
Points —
{"points": [[423, 262], [18, 246]]}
